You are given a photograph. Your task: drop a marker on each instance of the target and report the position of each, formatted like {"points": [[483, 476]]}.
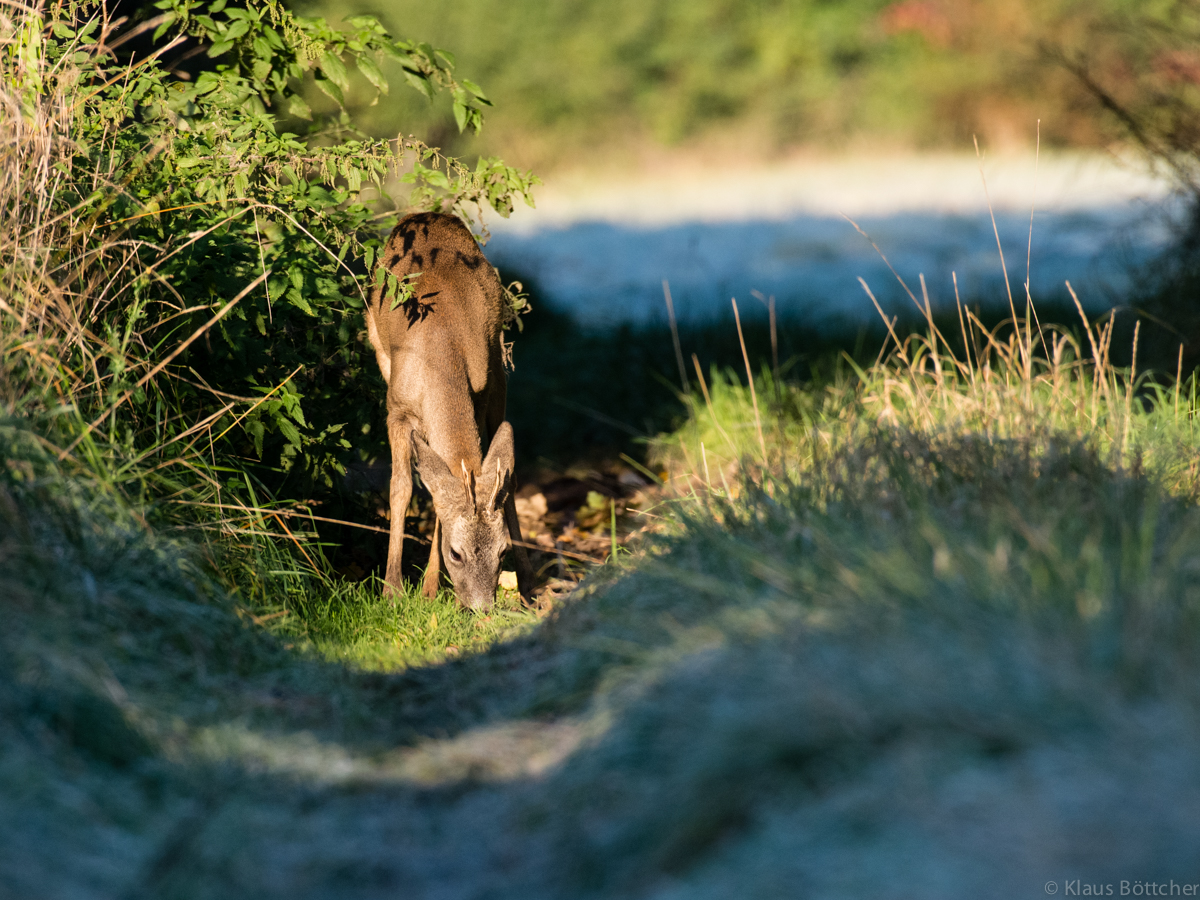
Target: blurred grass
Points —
{"points": [[1032, 381]]}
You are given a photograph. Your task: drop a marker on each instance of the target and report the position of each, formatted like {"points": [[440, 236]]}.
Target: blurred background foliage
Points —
{"points": [[584, 81]]}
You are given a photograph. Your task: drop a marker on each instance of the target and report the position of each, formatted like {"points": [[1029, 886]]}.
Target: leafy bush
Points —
{"points": [[207, 228]]}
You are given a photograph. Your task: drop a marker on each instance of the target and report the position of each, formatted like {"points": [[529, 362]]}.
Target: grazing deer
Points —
{"points": [[441, 355]]}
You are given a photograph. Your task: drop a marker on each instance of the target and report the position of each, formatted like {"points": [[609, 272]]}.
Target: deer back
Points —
{"points": [[441, 347]]}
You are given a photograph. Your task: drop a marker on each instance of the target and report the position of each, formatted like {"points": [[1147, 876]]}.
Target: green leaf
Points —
{"points": [[476, 90], [254, 428], [420, 82], [365, 23], [372, 73], [167, 22], [289, 431], [297, 300], [298, 108], [334, 69], [331, 90]]}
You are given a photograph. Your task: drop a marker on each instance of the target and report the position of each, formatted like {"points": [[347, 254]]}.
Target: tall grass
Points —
{"points": [[66, 368], [1021, 381]]}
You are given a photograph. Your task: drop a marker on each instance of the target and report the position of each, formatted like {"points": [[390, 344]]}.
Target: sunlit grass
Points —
{"points": [[353, 622], [1020, 382]]}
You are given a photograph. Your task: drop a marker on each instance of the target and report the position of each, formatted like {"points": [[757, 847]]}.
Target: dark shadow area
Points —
{"points": [[1167, 300], [583, 394]]}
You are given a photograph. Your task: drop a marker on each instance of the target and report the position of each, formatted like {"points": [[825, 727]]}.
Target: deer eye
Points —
{"points": [[455, 556]]}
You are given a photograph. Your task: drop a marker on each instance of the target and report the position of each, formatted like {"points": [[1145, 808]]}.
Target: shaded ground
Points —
{"points": [[572, 521]]}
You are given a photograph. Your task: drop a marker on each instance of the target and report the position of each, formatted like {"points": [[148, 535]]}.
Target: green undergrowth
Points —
{"points": [[601, 80]]}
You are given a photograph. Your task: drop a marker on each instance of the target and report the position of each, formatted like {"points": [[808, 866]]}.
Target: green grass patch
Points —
{"points": [[352, 622]]}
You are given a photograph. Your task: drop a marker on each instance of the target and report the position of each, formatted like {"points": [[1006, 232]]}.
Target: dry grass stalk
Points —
{"points": [[683, 379], [750, 380]]}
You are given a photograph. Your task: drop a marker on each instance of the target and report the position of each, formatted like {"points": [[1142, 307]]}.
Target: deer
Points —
{"points": [[441, 353]]}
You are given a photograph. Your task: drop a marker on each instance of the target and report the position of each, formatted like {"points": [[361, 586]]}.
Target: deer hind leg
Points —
{"points": [[401, 494], [433, 572], [493, 414], [524, 569], [382, 356]]}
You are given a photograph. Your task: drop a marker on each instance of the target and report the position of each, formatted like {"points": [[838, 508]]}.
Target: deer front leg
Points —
{"points": [[524, 569], [433, 572], [401, 494]]}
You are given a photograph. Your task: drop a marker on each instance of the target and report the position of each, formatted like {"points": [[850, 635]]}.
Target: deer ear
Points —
{"points": [[497, 466], [435, 473]]}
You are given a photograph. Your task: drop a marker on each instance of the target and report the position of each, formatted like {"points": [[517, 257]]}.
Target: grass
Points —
{"points": [[1029, 382], [352, 622], [804, 679]]}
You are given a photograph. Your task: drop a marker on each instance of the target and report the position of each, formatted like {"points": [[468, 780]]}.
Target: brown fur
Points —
{"points": [[441, 355]]}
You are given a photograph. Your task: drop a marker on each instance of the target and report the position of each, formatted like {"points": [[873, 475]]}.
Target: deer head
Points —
{"points": [[470, 507]]}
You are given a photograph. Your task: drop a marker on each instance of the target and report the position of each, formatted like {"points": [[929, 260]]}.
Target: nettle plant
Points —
{"points": [[216, 208]]}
